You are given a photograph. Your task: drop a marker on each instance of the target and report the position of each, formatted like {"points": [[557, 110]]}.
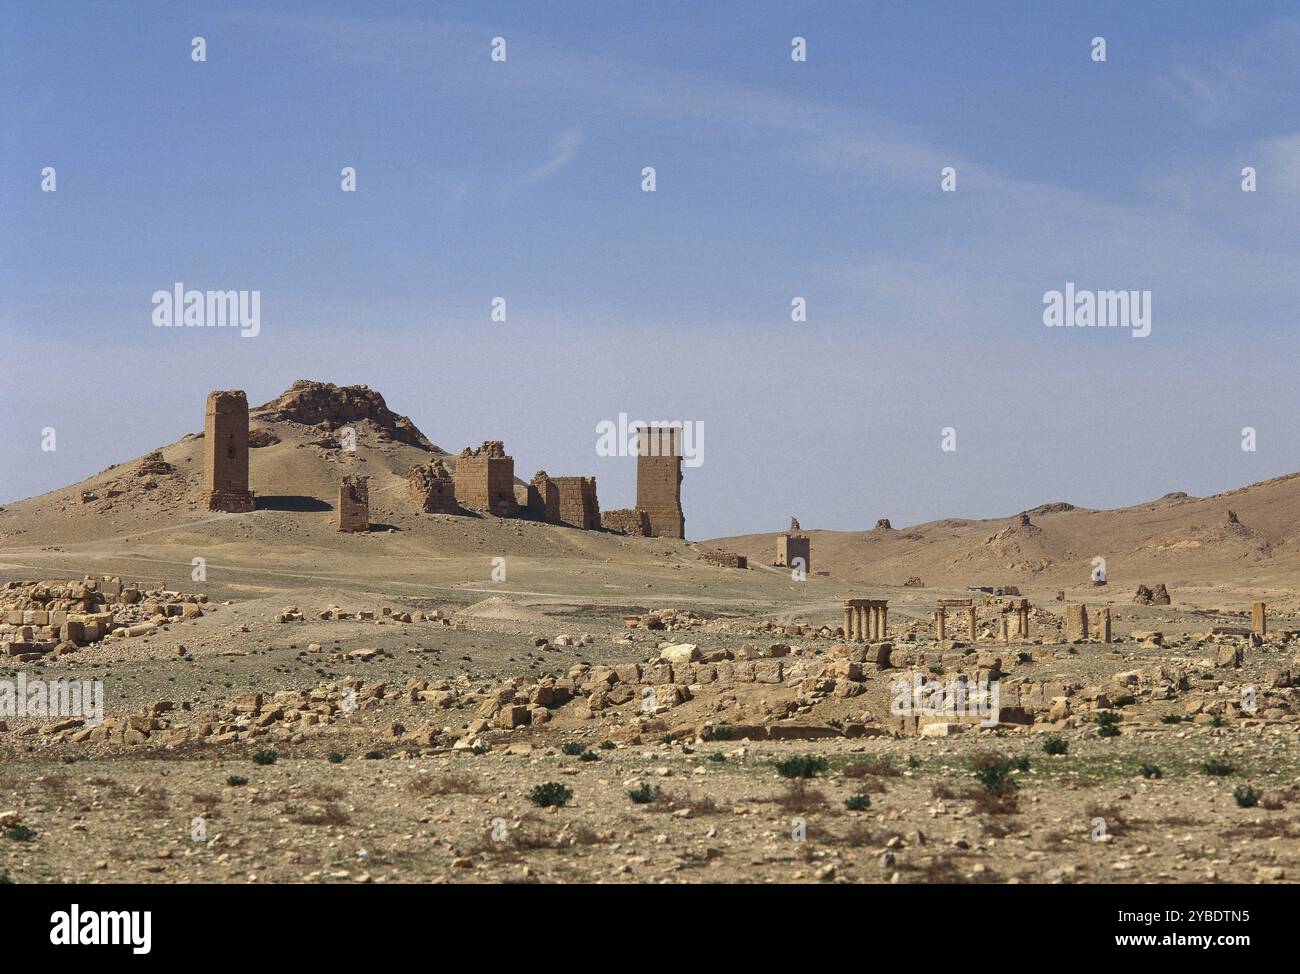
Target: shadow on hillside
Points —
{"points": [[291, 502]]}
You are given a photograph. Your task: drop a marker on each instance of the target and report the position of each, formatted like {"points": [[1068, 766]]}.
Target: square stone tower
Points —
{"points": [[225, 452], [792, 546], [659, 480], [354, 504], [485, 480]]}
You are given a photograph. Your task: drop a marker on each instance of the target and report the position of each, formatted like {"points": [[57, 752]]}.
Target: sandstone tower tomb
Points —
{"points": [[225, 452], [659, 480]]}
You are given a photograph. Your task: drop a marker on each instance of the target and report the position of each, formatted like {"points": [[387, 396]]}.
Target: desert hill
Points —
{"points": [[1250, 535]]}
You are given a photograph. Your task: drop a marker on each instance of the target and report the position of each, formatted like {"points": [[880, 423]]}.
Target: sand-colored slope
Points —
{"points": [[1177, 539]]}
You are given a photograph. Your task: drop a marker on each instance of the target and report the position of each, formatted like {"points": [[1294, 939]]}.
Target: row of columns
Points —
{"points": [[941, 622], [866, 622]]}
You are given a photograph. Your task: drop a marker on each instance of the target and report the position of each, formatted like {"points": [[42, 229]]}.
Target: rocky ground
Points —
{"points": [[343, 737]]}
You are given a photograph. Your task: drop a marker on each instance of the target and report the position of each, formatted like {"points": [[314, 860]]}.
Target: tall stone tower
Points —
{"points": [[354, 504], [659, 480], [225, 452]]}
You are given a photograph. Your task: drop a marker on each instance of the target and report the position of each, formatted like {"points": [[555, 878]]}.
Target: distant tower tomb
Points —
{"points": [[354, 504], [790, 547], [225, 452], [659, 480]]}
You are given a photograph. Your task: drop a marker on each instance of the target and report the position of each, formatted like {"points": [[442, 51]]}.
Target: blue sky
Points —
{"points": [[774, 179]]}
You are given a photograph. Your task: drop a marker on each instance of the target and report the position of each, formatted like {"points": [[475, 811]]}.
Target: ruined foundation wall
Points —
{"points": [[626, 521]]}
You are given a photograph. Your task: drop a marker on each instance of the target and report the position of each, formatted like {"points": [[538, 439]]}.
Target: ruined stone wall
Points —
{"points": [[577, 501], [626, 521], [659, 480], [485, 480], [724, 559], [432, 488], [543, 499], [225, 452], [792, 546], [354, 504]]}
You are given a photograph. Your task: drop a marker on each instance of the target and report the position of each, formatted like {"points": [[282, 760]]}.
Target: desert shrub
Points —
{"points": [[571, 748], [20, 833], [717, 756], [857, 803], [552, 793], [1217, 768], [266, 756], [236, 780], [335, 757], [1150, 771], [643, 795], [1055, 744], [801, 766], [1108, 724], [1245, 796], [373, 755], [994, 772], [588, 756], [607, 745], [1171, 719]]}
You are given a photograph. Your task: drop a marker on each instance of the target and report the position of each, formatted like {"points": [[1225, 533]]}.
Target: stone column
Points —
{"points": [[884, 622], [1258, 619], [860, 619], [940, 624], [1005, 624], [1024, 622], [970, 620], [1103, 624], [848, 622]]}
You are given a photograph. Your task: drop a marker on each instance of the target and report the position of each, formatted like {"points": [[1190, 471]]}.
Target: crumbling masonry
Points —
{"points": [[354, 504], [485, 480]]}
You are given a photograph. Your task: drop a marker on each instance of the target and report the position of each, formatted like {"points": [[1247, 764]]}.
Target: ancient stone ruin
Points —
{"points": [[724, 559], [578, 507], [866, 620], [626, 520], [1157, 596], [1015, 620], [1258, 619], [792, 546], [485, 480], [941, 617], [543, 499], [659, 480], [225, 452], [1076, 623], [433, 488], [354, 504]]}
